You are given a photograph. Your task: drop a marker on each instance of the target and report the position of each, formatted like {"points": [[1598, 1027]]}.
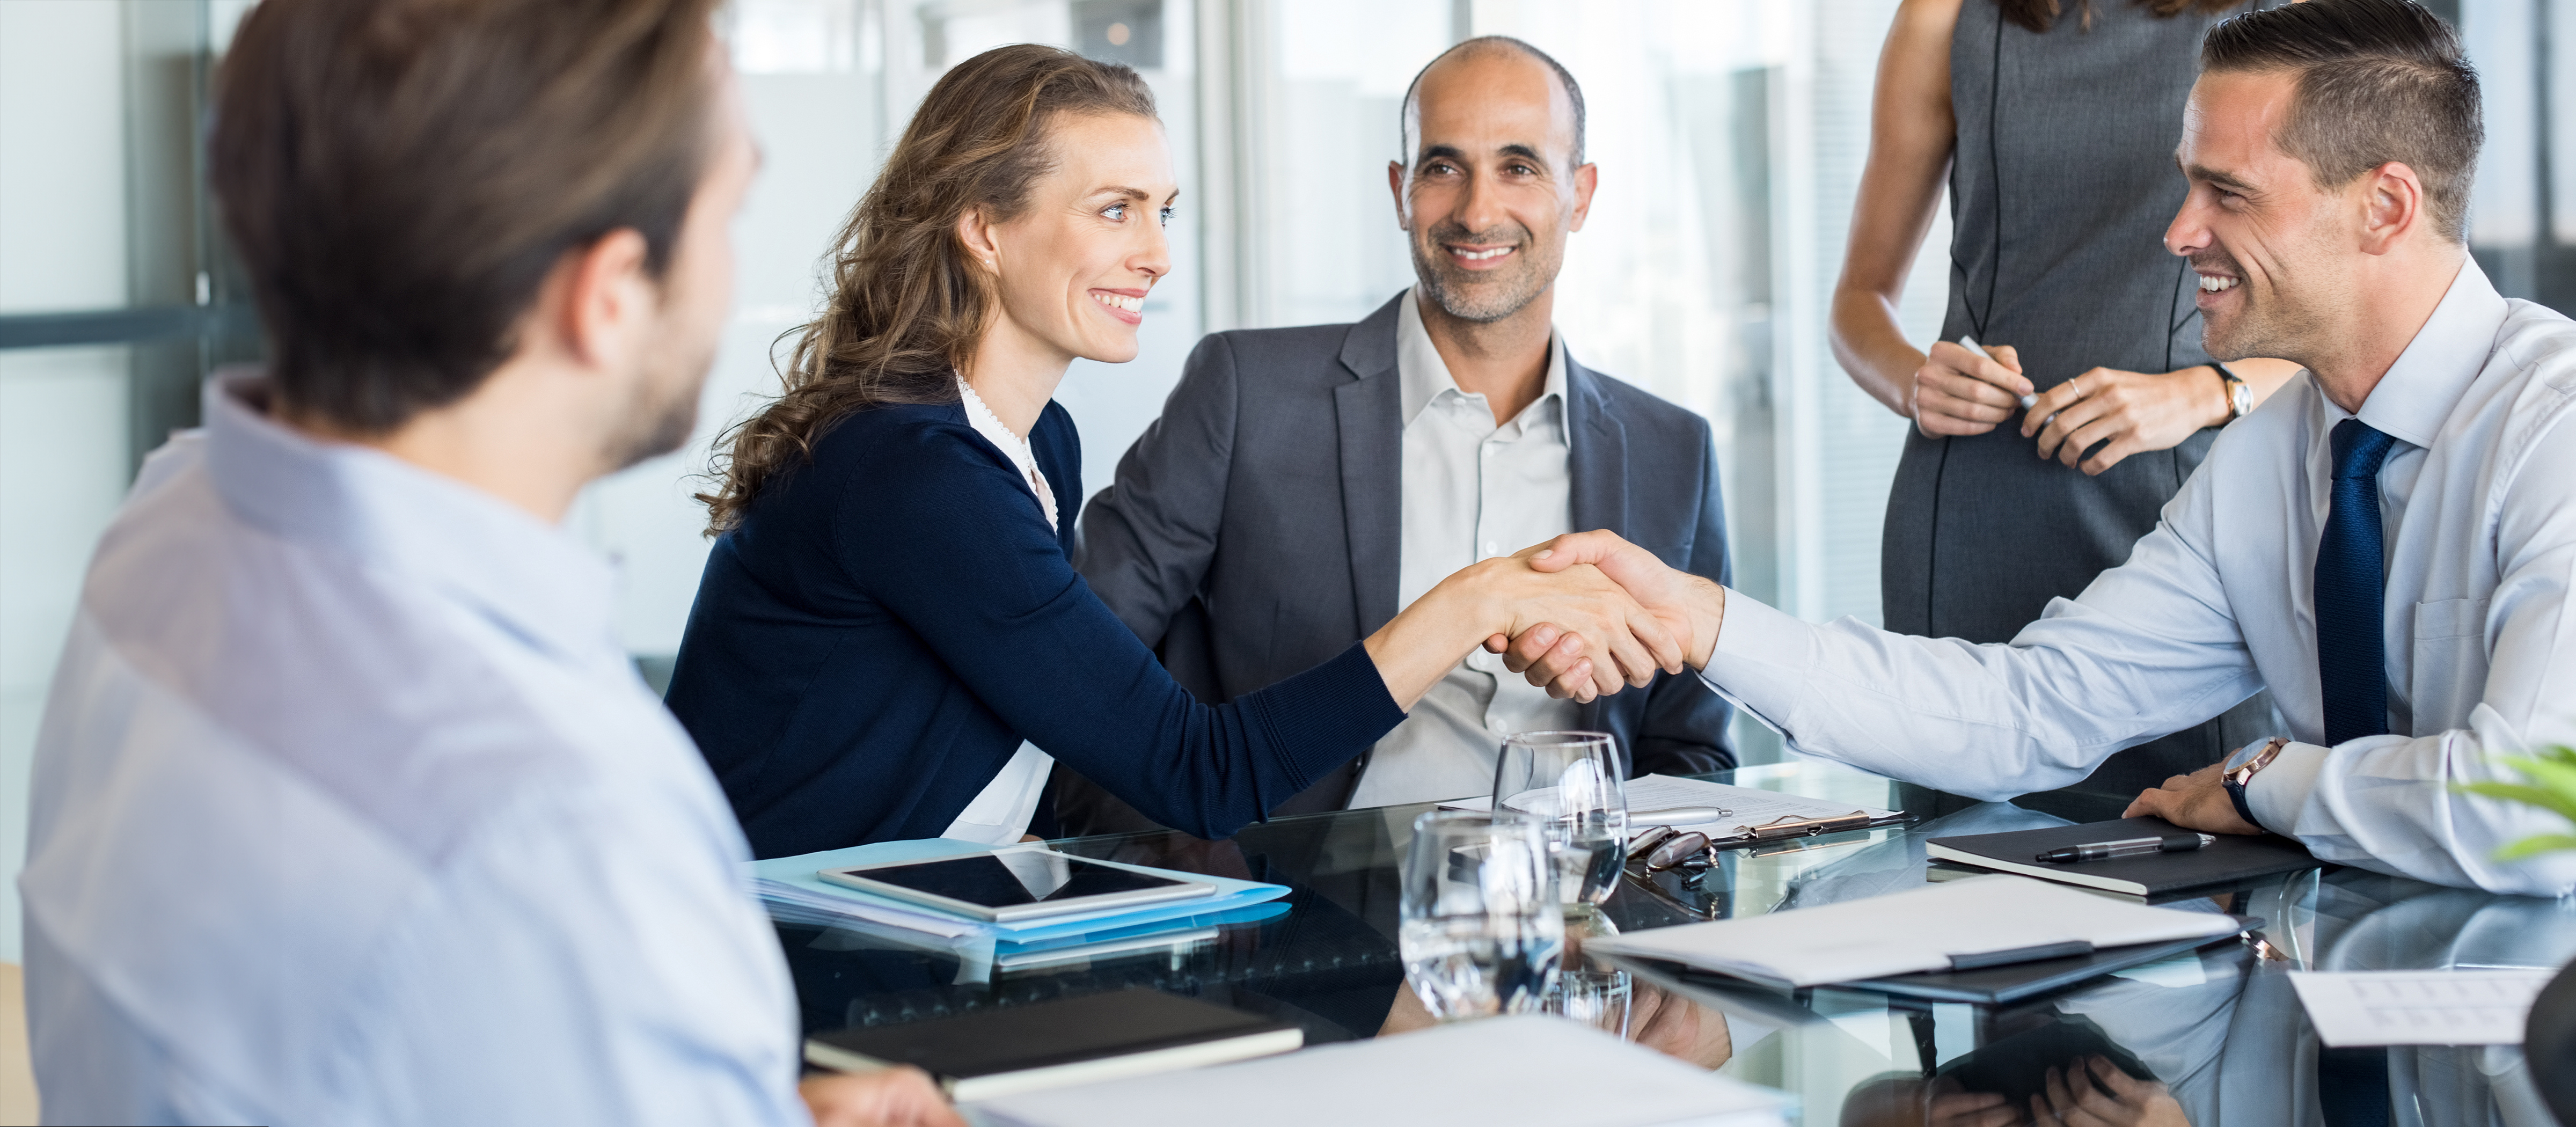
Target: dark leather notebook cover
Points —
{"points": [[1996, 985], [1042, 1034], [2231, 859], [2016, 981]]}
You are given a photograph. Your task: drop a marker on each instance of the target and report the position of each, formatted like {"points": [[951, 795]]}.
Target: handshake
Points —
{"points": [[1588, 613]]}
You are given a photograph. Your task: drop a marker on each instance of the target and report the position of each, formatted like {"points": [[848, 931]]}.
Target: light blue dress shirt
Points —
{"points": [[348, 809], [2479, 506]]}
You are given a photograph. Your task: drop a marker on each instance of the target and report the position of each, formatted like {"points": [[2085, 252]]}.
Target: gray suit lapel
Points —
{"points": [[1596, 454], [1370, 412]]}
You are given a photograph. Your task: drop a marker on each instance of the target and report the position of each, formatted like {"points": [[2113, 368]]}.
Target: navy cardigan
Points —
{"points": [[873, 641]]}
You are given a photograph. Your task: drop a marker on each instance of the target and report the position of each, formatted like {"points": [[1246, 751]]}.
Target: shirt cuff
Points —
{"points": [[1761, 658], [2281, 789]]}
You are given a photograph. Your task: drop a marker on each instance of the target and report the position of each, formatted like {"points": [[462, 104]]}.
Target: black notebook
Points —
{"points": [[1043, 1045], [2231, 858], [1988, 985]]}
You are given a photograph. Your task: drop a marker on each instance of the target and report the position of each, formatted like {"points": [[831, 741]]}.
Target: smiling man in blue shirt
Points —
{"points": [[348, 809]]}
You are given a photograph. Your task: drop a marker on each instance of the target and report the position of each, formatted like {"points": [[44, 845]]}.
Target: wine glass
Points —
{"points": [[1576, 784], [1479, 923]]}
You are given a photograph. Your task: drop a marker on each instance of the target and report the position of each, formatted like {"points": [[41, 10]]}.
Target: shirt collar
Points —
{"points": [[2415, 398], [1425, 375], [533, 577], [981, 417]]}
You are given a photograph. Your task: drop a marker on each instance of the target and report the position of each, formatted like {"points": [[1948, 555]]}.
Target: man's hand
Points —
{"points": [[895, 1097], [2110, 1098], [2197, 801], [1691, 608], [1958, 392], [2132, 411]]}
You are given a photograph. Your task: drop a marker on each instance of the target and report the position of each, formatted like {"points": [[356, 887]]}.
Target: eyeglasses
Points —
{"points": [[1664, 847]]}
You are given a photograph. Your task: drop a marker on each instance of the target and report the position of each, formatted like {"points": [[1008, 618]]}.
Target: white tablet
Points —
{"points": [[1016, 885]]}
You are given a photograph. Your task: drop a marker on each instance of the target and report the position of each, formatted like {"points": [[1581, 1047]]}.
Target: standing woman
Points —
{"points": [[889, 641], [2056, 131]]}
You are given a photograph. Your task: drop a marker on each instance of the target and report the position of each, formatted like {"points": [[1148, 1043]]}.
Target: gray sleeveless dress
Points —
{"points": [[2061, 187]]}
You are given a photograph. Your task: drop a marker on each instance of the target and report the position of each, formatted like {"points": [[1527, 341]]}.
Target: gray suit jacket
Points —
{"points": [[1254, 531]]}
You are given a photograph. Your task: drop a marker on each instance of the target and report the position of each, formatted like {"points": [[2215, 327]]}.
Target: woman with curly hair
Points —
{"points": [[889, 641]]}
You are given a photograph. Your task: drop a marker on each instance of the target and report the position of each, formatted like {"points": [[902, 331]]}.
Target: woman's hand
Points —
{"points": [[1607, 641], [895, 1097], [1957, 391], [2133, 412]]}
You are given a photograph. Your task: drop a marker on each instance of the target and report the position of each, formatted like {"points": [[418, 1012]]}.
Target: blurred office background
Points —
{"points": [[1729, 134]]}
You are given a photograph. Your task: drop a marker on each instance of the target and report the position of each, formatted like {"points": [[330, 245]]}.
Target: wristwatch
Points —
{"points": [[2240, 769], [2240, 395]]}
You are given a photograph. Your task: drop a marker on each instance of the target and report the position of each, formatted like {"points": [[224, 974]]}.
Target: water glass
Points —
{"points": [[1479, 924], [1601, 999], [1575, 783]]}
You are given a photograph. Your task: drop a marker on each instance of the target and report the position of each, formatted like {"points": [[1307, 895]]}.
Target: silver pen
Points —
{"points": [[2127, 847], [1966, 341]]}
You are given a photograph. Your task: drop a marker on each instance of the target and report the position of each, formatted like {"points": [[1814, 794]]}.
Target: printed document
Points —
{"points": [[1745, 806], [2418, 1007]]}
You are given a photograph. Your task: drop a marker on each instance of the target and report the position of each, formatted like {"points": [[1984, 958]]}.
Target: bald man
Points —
{"points": [[1305, 484]]}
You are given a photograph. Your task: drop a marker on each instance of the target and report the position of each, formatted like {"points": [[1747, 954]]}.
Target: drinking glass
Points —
{"points": [[1576, 785], [1479, 923], [1598, 998]]}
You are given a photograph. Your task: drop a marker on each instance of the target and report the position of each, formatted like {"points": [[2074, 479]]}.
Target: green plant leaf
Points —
{"points": [[2528, 795], [2560, 778], [2536, 844]]}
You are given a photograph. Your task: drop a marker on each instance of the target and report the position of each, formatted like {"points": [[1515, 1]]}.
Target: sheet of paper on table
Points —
{"points": [[2418, 1007], [1471, 1074], [1649, 793], [1909, 932]]}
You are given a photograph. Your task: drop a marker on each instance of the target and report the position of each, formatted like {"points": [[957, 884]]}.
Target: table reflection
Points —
{"points": [[2209, 1039]]}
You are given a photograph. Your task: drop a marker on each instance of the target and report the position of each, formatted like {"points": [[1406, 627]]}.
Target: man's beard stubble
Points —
{"points": [[1482, 297], [664, 410]]}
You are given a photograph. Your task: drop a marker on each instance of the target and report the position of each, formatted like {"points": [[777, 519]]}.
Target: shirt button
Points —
{"points": [[1493, 549]]}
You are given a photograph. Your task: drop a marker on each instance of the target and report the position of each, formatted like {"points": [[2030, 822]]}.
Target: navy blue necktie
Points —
{"points": [[2352, 665]]}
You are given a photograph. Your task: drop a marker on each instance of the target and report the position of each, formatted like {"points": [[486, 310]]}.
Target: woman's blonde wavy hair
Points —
{"points": [[906, 308]]}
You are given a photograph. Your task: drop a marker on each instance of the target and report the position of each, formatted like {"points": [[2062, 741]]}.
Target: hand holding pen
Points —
{"points": [[1963, 389]]}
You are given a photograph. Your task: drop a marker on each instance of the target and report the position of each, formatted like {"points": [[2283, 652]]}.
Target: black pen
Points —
{"points": [[2127, 847]]}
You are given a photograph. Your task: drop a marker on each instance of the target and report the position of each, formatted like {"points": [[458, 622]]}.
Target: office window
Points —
{"points": [[1730, 135]]}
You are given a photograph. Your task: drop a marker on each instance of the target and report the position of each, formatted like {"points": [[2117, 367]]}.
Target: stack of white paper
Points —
{"points": [[1912, 931], [1472, 1074], [2419, 1007]]}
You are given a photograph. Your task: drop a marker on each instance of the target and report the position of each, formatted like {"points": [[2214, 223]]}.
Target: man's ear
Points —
{"points": [[2392, 201], [601, 299], [1395, 186], [1586, 178]]}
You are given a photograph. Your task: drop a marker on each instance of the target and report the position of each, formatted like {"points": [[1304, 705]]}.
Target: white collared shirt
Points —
{"points": [[1001, 811], [348, 808], [2478, 504], [1472, 490]]}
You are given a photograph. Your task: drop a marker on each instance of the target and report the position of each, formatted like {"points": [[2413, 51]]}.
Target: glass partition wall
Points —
{"points": [[1729, 135]]}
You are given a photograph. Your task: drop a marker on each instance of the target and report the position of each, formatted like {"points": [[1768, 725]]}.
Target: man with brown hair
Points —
{"points": [[2387, 544], [347, 807]]}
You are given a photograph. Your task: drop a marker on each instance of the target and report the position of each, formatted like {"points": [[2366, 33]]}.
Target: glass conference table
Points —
{"points": [[2221, 1029]]}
